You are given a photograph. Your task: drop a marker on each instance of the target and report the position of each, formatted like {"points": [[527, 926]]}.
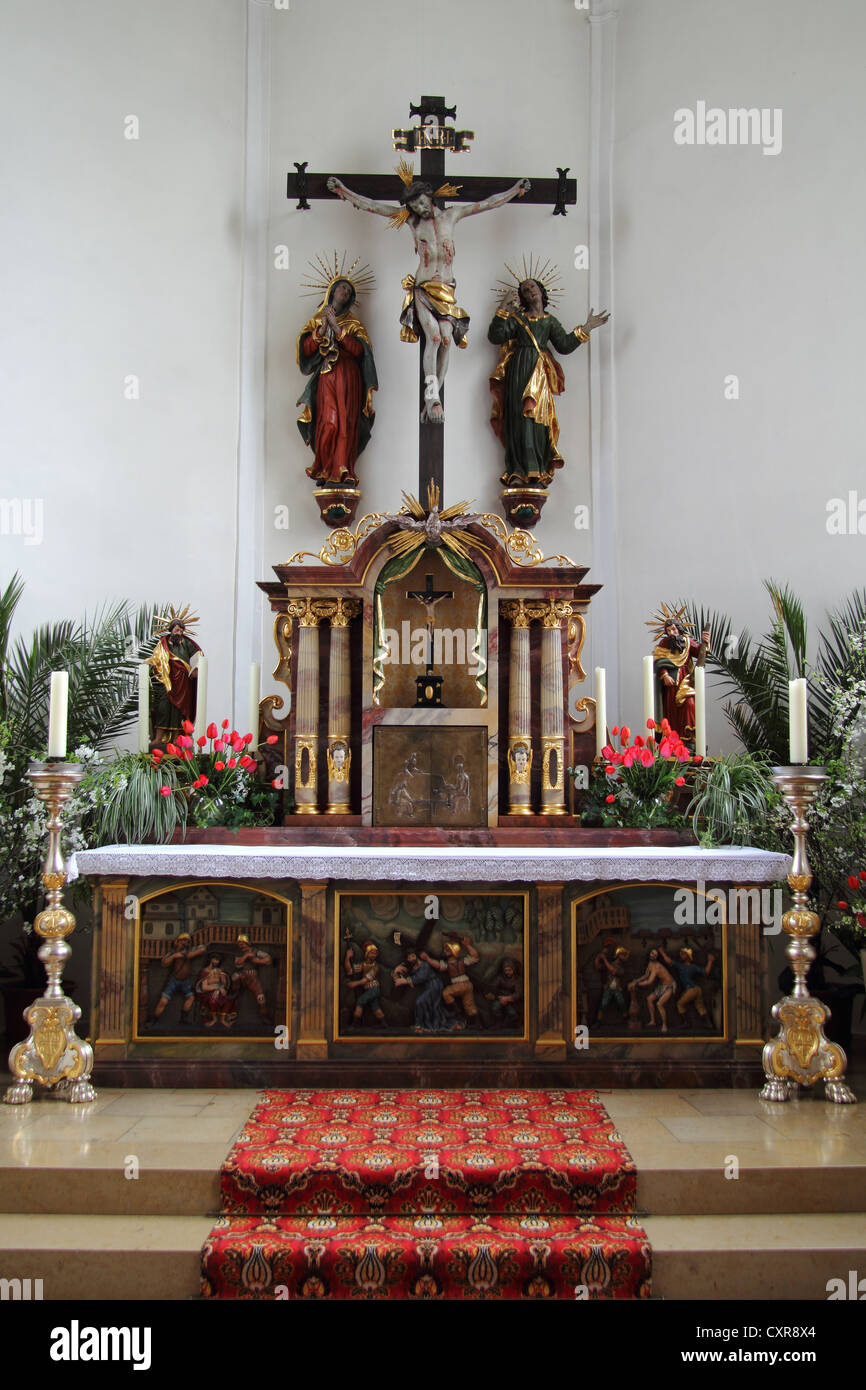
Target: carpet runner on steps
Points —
{"points": [[428, 1194]]}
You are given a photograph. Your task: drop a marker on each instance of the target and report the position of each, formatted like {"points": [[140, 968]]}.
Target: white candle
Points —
{"points": [[600, 710], [57, 713], [649, 696], [143, 707], [798, 721], [201, 698], [255, 695], [701, 711]]}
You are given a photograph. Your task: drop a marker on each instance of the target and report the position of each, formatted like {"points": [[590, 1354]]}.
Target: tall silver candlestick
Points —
{"points": [[801, 1054], [52, 1053]]}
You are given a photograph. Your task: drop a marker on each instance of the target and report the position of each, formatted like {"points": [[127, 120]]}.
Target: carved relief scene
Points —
{"points": [[212, 962], [400, 971], [650, 963]]}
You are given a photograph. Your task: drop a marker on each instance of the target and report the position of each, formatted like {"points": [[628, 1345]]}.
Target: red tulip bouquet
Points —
{"points": [[639, 782], [217, 775]]}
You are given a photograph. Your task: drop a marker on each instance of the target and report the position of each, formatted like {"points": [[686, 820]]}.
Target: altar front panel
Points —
{"points": [[540, 1027]]}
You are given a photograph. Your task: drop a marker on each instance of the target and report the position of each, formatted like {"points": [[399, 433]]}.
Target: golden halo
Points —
{"points": [[163, 622], [325, 273], [667, 615], [547, 274]]}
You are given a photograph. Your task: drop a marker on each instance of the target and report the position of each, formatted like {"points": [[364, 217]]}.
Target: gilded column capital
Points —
{"points": [[557, 611], [300, 608], [311, 611], [346, 609], [514, 610]]}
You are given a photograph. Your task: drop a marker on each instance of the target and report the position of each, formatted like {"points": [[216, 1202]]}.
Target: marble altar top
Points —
{"points": [[444, 864]]}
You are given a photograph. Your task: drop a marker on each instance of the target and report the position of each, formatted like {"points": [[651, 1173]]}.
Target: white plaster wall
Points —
{"points": [[126, 257], [122, 257], [730, 261]]}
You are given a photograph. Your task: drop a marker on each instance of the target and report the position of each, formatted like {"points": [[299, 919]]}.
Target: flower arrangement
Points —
{"points": [[216, 775], [853, 909], [640, 781]]}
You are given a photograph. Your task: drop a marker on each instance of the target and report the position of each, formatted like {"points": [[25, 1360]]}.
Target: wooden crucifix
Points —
{"points": [[430, 311]]}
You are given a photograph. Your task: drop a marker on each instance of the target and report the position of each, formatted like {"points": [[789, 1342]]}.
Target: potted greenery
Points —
{"points": [[731, 796]]}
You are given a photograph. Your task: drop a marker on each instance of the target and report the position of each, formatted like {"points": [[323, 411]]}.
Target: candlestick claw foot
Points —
{"points": [[775, 1089], [839, 1093], [21, 1093], [81, 1092]]}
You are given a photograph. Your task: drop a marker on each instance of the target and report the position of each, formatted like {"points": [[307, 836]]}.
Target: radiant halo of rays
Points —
{"points": [[667, 615], [545, 272], [163, 622], [325, 272]]}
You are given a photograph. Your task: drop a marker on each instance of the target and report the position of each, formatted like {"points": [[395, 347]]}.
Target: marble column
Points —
{"points": [[307, 717], [550, 1042], [553, 710], [312, 1040], [519, 710], [340, 707], [112, 1001]]}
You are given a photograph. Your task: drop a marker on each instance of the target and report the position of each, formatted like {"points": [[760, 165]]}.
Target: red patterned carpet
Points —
{"points": [[428, 1194]]}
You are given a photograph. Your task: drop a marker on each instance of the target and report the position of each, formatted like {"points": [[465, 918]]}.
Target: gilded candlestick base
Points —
{"points": [[801, 1055], [52, 1055]]}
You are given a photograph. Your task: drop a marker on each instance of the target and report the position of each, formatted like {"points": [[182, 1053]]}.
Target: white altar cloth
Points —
{"points": [[442, 864]]}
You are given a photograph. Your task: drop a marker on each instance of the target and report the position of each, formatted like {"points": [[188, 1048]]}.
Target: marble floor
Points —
{"points": [[724, 1181]]}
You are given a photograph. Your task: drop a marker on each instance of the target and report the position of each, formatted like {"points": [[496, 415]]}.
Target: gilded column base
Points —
{"points": [[338, 808], [553, 776], [519, 755], [306, 784]]}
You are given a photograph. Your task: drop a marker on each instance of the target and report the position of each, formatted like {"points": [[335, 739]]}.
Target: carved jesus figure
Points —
{"points": [[430, 304]]}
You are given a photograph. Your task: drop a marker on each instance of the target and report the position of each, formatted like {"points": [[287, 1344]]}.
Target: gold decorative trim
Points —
{"points": [[341, 544], [576, 639], [335, 773], [552, 743], [520, 546], [519, 777]]}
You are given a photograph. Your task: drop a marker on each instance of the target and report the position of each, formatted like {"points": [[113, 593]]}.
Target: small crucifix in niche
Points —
{"points": [[429, 687]]}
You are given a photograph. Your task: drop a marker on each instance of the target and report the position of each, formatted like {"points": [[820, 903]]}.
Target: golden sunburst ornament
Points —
{"points": [[164, 622], [664, 615], [546, 273], [324, 274]]}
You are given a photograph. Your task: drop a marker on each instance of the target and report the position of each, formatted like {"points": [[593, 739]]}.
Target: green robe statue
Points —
{"points": [[526, 379]]}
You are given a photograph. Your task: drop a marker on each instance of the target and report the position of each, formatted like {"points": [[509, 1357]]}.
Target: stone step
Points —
{"points": [[105, 1257], [662, 1190], [764, 1258], [755, 1257]]}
